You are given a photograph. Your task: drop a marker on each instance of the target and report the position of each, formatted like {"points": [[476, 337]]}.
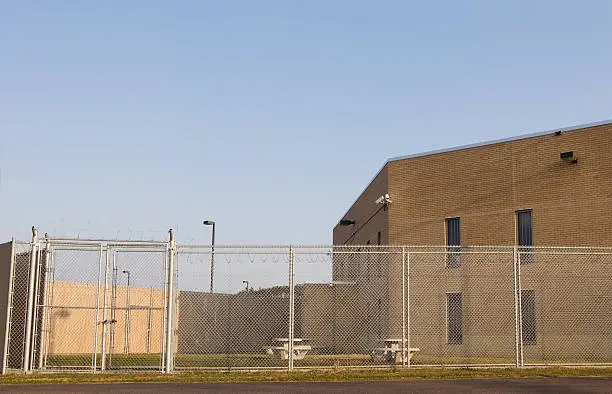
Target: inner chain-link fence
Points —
{"points": [[103, 306]]}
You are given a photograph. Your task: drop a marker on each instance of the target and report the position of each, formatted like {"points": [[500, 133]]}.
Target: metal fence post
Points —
{"points": [[43, 298], [516, 308], [170, 306], [291, 307], [97, 317], [519, 309], [105, 321], [408, 306], [404, 307], [30, 304]]}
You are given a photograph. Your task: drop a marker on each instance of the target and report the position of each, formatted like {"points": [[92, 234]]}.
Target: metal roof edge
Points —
{"points": [[363, 191], [475, 145], [498, 141]]}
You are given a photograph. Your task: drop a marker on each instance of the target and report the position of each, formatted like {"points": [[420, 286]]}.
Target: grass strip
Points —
{"points": [[331, 375]]}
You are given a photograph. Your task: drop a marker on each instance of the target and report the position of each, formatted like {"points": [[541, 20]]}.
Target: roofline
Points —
{"points": [[475, 145], [492, 142]]}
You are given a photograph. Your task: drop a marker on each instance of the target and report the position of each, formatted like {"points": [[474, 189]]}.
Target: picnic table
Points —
{"points": [[281, 351], [392, 352]]}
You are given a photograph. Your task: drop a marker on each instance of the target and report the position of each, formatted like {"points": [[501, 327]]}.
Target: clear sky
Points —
{"points": [[125, 118]]}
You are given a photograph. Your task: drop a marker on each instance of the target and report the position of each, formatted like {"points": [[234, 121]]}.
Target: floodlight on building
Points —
{"points": [[346, 222], [384, 199], [568, 156]]}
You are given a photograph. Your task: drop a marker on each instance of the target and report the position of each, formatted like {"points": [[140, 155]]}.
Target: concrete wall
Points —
{"points": [[74, 318], [5, 270], [245, 322]]}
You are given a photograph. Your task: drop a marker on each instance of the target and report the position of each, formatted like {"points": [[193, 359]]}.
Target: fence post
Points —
{"points": [[291, 308], [170, 306], [43, 321], [30, 304], [97, 317], [404, 306], [408, 306], [516, 308], [105, 319], [519, 308]]}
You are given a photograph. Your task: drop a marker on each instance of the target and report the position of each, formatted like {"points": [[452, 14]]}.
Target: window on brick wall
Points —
{"points": [[453, 242], [454, 332], [524, 235]]}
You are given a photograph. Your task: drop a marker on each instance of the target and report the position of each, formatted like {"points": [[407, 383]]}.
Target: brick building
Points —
{"points": [[483, 190], [548, 189]]}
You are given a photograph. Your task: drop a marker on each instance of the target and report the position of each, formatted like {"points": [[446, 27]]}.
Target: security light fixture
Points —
{"points": [[384, 200], [568, 156], [346, 222]]}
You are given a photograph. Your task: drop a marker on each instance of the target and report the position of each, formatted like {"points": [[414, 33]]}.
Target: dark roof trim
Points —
{"points": [[520, 137]]}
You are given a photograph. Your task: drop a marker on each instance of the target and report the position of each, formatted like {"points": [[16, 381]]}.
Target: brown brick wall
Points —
{"points": [[486, 185]]}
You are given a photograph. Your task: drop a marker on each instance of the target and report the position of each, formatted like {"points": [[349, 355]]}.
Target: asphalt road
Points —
{"points": [[531, 385]]}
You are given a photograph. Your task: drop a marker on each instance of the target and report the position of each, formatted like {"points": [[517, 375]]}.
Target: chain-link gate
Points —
{"points": [[90, 305]]}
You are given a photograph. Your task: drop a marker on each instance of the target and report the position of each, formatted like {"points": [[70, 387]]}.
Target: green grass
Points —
{"points": [[337, 374], [243, 361]]}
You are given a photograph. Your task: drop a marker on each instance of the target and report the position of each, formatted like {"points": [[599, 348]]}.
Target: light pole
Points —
{"points": [[247, 284], [212, 254], [126, 347]]}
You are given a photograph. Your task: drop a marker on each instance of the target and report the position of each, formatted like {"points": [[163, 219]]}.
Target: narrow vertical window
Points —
{"points": [[528, 317], [525, 235], [454, 333], [453, 242]]}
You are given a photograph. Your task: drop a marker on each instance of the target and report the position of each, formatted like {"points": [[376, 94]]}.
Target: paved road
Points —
{"points": [[535, 385]]}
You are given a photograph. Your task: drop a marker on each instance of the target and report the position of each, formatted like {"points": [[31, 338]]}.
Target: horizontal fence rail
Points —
{"points": [[96, 305]]}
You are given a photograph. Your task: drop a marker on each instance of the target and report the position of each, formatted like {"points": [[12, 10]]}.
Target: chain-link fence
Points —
{"points": [[102, 305]]}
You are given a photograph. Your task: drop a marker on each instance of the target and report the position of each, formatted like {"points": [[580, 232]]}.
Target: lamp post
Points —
{"points": [[247, 284], [212, 253], [126, 347]]}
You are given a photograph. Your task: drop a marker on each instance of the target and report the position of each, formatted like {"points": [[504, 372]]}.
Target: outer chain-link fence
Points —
{"points": [[102, 305]]}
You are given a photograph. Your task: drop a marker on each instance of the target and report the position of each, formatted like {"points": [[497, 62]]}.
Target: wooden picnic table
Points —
{"points": [[392, 352], [282, 351]]}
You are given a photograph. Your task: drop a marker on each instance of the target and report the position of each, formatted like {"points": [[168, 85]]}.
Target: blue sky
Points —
{"points": [[123, 119]]}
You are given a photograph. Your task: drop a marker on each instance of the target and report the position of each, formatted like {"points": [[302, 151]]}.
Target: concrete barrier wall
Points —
{"points": [[75, 315], [5, 269]]}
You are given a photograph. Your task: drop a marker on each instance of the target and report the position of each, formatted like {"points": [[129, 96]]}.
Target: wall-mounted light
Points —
{"points": [[384, 200], [346, 222], [569, 157]]}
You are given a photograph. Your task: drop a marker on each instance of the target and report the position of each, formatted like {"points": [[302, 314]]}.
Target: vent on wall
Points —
{"points": [[569, 157]]}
